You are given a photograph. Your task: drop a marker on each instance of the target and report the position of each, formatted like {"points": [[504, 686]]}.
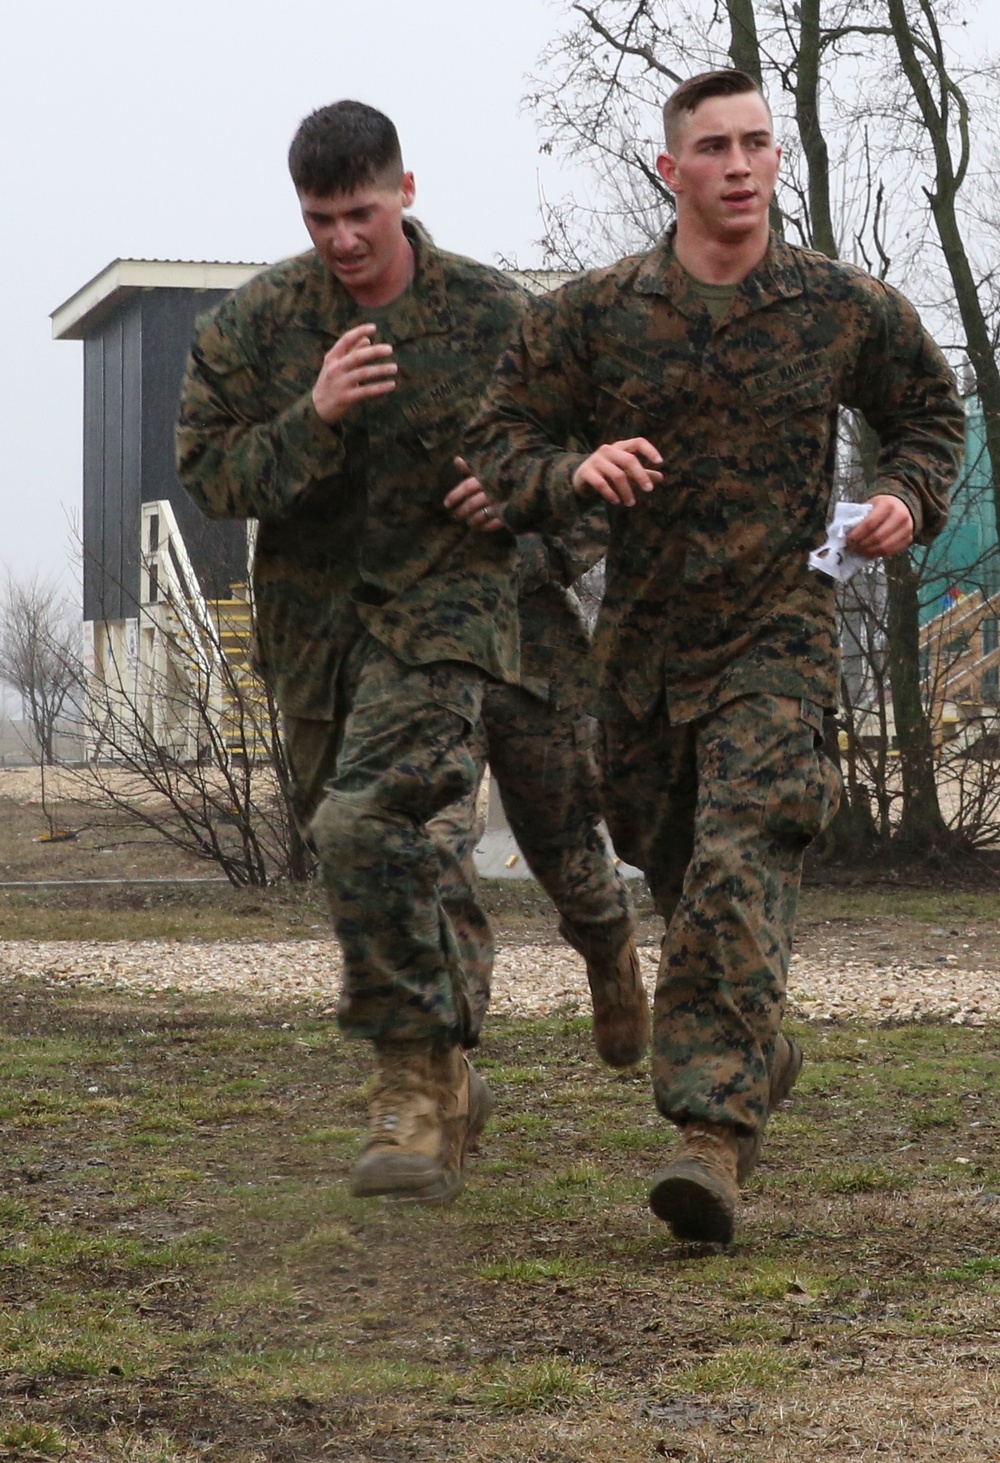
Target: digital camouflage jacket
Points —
{"points": [[352, 527], [709, 595]]}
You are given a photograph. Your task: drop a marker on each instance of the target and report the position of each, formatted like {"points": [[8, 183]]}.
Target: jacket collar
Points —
{"points": [[327, 308], [776, 277], [423, 308]]}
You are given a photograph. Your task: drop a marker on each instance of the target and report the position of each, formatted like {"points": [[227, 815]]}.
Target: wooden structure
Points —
{"points": [[960, 665]]}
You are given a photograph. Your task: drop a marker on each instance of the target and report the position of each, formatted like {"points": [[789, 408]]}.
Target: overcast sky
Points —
{"points": [[134, 130]]}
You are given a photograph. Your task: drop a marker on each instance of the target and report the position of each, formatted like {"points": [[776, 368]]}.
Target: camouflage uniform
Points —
{"points": [[379, 620], [716, 647], [539, 741]]}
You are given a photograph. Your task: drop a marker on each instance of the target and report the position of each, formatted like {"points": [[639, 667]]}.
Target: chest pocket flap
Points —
{"points": [[640, 379]]}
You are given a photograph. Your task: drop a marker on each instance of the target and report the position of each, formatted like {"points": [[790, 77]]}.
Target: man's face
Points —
{"points": [[359, 235], [724, 166]]}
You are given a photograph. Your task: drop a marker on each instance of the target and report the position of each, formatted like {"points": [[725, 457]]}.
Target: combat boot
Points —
{"points": [[697, 1194], [621, 1007], [428, 1103], [785, 1069]]}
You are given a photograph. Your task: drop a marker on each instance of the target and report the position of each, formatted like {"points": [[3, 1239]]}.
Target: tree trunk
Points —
{"points": [[977, 335], [744, 47], [936, 114], [853, 833], [811, 132], [921, 825]]}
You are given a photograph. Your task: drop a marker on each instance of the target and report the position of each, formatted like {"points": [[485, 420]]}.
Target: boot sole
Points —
{"points": [[481, 1105], [624, 1048], [791, 1073], [692, 1208], [621, 1031], [401, 1179]]}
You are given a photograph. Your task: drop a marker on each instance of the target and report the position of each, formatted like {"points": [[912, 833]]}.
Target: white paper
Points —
{"points": [[834, 557]]}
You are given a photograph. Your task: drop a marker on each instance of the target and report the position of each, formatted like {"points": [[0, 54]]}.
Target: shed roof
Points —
{"points": [[73, 319]]}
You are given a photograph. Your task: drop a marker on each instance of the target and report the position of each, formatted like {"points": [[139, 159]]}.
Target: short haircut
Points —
{"points": [[342, 147], [697, 89]]}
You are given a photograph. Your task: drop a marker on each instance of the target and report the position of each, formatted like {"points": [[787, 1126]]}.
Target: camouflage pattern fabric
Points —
{"points": [[540, 746], [719, 812], [708, 592], [456, 832], [352, 531], [368, 784], [541, 750]]}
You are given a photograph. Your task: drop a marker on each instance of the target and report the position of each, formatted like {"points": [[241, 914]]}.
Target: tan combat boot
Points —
{"points": [[697, 1194], [784, 1073], [621, 1007], [427, 1105]]}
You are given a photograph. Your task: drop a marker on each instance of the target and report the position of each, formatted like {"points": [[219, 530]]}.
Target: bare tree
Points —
{"points": [[39, 654], [183, 737]]}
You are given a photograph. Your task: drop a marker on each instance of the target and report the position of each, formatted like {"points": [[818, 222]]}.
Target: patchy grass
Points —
{"points": [[923, 903], [184, 1274], [533, 1386]]}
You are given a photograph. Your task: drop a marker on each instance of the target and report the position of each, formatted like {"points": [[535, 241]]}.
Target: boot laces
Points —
{"points": [[702, 1141]]}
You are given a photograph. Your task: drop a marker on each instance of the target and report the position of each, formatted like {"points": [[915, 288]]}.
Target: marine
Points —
{"points": [[704, 380], [325, 399]]}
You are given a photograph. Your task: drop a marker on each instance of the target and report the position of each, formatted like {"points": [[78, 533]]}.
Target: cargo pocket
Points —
{"points": [[805, 792], [586, 759]]}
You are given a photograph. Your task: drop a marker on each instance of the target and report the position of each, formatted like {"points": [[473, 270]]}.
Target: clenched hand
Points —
{"points": [[353, 370]]}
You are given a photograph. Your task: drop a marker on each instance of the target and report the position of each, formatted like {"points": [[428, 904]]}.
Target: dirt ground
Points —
{"points": [[183, 1275]]}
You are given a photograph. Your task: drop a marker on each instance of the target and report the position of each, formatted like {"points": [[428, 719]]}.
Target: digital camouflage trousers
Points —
{"points": [[718, 813], [399, 868], [367, 787], [545, 764]]}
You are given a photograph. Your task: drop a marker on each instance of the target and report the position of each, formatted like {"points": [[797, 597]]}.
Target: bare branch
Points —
{"points": [[644, 53]]}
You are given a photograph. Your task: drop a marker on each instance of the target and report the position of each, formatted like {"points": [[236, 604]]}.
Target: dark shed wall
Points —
{"points": [[217, 547], [133, 363], [93, 500], [111, 450]]}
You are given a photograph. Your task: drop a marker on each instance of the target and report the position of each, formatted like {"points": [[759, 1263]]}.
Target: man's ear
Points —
{"points": [[408, 189], [666, 166]]}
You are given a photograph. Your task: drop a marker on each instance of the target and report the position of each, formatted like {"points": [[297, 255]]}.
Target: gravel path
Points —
{"points": [[529, 980]]}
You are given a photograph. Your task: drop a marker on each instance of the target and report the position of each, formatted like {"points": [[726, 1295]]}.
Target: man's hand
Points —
{"points": [[617, 469], [887, 530], [353, 370], [468, 503]]}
